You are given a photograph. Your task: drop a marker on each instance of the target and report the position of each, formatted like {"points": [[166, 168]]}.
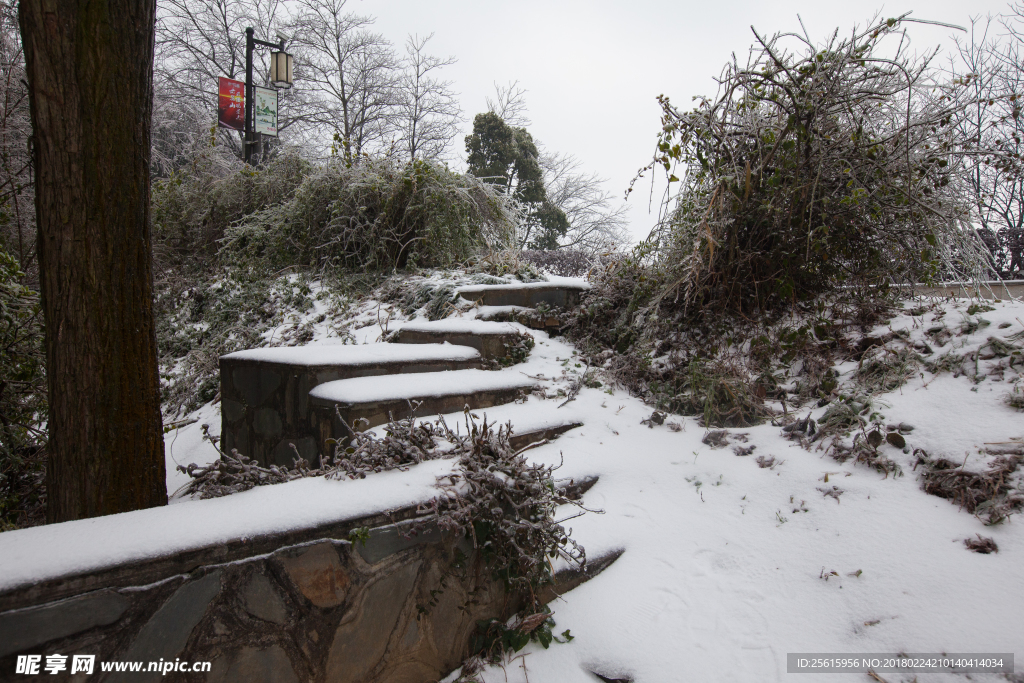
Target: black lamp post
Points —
{"points": [[280, 77]]}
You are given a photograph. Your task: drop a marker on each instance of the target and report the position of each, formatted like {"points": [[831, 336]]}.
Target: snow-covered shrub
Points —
{"points": [[192, 208], [201, 318], [293, 212], [563, 262], [813, 169], [375, 214]]}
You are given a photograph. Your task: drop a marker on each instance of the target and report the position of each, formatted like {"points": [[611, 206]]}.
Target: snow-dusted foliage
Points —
{"points": [[496, 498], [376, 214], [822, 167]]}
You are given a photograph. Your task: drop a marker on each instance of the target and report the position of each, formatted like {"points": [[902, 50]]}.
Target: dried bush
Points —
{"points": [[1015, 398], [864, 450], [981, 544], [405, 443], [885, 370], [506, 506], [231, 473], [992, 495], [562, 262], [720, 393], [495, 497]]}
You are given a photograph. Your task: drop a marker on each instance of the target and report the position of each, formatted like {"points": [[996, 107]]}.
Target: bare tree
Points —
{"points": [[427, 111], [987, 75], [509, 104], [350, 70], [595, 223], [196, 44]]}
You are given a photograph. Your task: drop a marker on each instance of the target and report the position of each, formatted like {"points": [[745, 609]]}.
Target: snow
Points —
{"points": [[367, 354], [720, 578], [553, 282], [41, 553], [724, 563], [485, 312], [417, 385], [461, 326]]}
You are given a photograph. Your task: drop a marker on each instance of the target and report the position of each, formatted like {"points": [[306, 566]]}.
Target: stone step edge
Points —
{"points": [[569, 578], [317, 355], [519, 440], [460, 383]]}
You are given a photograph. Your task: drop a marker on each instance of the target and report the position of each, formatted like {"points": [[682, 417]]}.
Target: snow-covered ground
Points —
{"points": [[730, 565]]}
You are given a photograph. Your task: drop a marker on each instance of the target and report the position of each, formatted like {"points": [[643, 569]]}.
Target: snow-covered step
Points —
{"points": [[527, 434], [265, 392], [493, 340], [529, 317], [563, 293], [379, 399]]}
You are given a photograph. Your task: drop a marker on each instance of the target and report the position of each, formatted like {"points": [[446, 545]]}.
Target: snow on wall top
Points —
{"points": [[419, 385], [553, 282], [48, 552], [461, 325], [367, 354]]}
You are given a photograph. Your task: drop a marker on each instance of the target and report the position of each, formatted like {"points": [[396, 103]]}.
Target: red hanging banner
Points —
{"points": [[231, 104]]}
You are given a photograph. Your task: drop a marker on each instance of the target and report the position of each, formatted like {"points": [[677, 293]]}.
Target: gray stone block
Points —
{"points": [[262, 600], [165, 634], [267, 423], [28, 628], [256, 384]]}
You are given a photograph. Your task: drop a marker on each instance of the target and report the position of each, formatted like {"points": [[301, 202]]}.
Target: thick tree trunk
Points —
{"points": [[90, 66]]}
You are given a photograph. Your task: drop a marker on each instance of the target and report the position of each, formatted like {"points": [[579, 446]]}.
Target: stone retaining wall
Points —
{"points": [[333, 605]]}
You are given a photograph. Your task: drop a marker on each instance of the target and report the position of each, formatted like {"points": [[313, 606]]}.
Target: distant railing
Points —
{"points": [[991, 289]]}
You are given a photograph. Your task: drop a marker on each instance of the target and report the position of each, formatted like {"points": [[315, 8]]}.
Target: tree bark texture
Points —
{"points": [[90, 71]]}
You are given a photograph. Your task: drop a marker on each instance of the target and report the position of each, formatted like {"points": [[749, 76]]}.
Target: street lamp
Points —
{"points": [[281, 69], [280, 76]]}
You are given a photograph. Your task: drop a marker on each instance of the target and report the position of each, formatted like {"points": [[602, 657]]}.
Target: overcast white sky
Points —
{"points": [[592, 69]]}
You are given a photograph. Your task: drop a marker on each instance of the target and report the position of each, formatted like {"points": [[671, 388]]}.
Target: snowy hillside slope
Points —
{"points": [[744, 545]]}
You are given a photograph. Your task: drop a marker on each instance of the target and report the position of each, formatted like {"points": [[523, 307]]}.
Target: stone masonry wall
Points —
{"points": [[265, 406], [393, 607]]}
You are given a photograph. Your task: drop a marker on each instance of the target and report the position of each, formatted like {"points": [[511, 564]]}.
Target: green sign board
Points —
{"points": [[264, 111]]}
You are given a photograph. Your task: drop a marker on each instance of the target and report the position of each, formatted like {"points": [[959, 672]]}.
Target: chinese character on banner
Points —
{"points": [[231, 104], [28, 664], [55, 663], [83, 664]]}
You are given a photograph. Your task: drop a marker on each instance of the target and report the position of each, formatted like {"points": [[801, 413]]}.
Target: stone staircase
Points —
{"points": [[274, 398], [312, 580]]}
